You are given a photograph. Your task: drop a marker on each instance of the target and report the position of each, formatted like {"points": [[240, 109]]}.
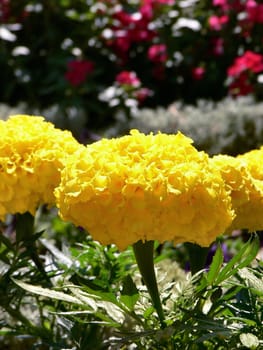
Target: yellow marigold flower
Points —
{"points": [[32, 153], [245, 189], [254, 209], [144, 187]]}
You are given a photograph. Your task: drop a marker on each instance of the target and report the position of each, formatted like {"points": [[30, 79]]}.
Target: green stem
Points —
{"points": [[144, 256]]}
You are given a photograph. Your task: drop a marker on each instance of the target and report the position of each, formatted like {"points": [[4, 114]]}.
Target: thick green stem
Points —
{"points": [[144, 256]]}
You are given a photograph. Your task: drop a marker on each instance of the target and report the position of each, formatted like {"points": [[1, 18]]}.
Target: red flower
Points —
{"points": [[254, 11], [241, 86], [78, 70], [157, 53], [129, 29], [4, 10], [249, 61], [216, 22], [128, 78], [198, 73]]}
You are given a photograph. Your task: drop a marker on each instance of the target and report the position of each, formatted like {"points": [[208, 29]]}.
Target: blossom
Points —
{"points": [[144, 187], [128, 78], [254, 11], [130, 28], [216, 22], [32, 152], [198, 73], [78, 70], [248, 61], [243, 178], [243, 66], [241, 86], [157, 53]]}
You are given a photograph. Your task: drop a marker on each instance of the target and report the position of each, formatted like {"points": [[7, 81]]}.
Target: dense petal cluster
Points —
{"points": [[242, 179], [144, 187], [32, 153]]}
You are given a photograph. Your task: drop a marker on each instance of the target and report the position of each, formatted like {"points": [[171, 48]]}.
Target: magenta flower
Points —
{"points": [[250, 61], [158, 53], [198, 73], [78, 70], [216, 22], [254, 11], [128, 78]]}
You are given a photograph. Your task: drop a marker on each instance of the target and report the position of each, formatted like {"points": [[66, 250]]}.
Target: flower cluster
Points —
{"points": [[78, 62], [127, 91], [144, 187], [32, 154], [250, 63], [135, 187], [243, 179]]}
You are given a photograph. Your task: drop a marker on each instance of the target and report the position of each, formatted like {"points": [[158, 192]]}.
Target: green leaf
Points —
{"points": [[45, 292], [255, 283], [5, 241], [129, 294], [242, 259], [148, 312], [215, 266]]}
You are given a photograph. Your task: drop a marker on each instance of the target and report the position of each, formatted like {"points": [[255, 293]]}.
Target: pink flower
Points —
{"points": [[249, 61], [221, 3], [158, 53], [198, 73], [216, 22], [254, 11], [78, 70], [128, 78], [142, 94]]}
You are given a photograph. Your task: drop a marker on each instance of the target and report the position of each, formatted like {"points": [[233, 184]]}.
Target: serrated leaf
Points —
{"points": [[47, 292]]}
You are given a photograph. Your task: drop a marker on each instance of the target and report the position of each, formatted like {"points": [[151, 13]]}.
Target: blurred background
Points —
{"points": [[100, 68]]}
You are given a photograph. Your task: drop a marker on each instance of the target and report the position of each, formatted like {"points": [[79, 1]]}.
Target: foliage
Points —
{"points": [[231, 126], [59, 295], [100, 57]]}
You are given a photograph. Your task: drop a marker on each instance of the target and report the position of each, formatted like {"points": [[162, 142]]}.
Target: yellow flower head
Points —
{"points": [[246, 191], [253, 161], [144, 187], [32, 152]]}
